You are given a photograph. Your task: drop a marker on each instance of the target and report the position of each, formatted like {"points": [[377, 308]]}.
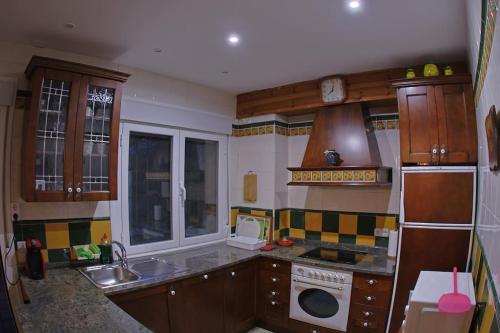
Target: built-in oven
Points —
{"points": [[320, 296]]}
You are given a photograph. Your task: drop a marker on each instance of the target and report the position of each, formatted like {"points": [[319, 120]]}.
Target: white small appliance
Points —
{"points": [[320, 296], [422, 313], [248, 231]]}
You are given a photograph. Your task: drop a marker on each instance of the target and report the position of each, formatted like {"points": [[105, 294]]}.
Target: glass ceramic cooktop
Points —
{"points": [[335, 255]]}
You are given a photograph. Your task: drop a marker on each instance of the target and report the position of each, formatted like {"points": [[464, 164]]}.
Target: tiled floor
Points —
{"points": [[259, 330]]}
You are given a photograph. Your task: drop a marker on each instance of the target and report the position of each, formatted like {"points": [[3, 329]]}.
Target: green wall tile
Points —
{"points": [[348, 239], [58, 255], [297, 219], [313, 235], [35, 231], [284, 232], [382, 241], [330, 222], [277, 220], [79, 233], [366, 225]]}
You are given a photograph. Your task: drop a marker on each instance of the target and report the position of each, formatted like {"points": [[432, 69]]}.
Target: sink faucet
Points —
{"points": [[123, 257]]}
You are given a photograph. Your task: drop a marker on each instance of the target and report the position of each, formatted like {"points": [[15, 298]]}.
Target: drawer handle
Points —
{"points": [[274, 303], [370, 298], [275, 279], [276, 265], [205, 276], [371, 282], [367, 313]]}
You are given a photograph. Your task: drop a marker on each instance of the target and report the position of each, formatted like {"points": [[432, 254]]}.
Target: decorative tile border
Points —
{"points": [[337, 176], [488, 303], [488, 19], [379, 122], [327, 226], [57, 236]]}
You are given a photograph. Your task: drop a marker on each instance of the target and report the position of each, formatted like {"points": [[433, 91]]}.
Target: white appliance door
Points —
{"points": [[319, 303]]}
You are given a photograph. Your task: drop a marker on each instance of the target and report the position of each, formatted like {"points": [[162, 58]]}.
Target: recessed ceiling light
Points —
{"points": [[157, 50], [69, 25], [354, 4], [233, 39], [225, 72]]}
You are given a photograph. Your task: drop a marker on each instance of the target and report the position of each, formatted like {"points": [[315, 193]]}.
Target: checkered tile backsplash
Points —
{"points": [[327, 226]]}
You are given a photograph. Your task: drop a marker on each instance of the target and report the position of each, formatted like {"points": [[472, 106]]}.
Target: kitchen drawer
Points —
{"points": [[376, 298], [296, 326], [365, 313], [275, 265], [365, 326], [274, 285], [273, 312], [372, 282]]}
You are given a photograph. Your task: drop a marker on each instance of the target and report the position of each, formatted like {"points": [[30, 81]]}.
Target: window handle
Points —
{"points": [[182, 193]]}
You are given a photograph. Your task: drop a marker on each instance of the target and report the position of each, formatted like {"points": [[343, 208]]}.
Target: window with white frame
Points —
{"points": [[173, 188]]}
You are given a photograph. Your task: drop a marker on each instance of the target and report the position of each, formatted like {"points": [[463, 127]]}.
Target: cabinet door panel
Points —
{"points": [[418, 124], [240, 298], [428, 250], [96, 140], [49, 134], [148, 306], [457, 124], [197, 304]]}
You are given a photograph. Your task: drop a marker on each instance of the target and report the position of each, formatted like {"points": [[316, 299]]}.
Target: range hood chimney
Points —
{"points": [[346, 129]]}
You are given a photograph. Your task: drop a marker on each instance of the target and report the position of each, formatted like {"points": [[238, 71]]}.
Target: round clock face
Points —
{"points": [[332, 90]]}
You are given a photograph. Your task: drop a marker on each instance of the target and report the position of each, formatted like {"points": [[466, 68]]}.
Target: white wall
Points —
{"points": [[488, 218], [148, 97]]}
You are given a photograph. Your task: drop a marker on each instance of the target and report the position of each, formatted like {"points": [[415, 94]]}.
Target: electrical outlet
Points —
{"points": [[15, 209], [379, 232], [21, 244]]}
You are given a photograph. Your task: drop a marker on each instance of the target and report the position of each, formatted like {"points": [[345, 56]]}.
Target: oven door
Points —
{"points": [[320, 303]]}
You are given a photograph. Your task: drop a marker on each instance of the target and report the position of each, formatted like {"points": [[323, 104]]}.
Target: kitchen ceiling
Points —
{"points": [[281, 41]]}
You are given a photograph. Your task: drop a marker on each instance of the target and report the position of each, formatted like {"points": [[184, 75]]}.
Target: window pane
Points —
{"points": [[200, 180], [149, 188]]}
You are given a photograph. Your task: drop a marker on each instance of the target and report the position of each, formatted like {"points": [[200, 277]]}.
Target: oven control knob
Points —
{"points": [[330, 277], [310, 274], [322, 276], [342, 278], [316, 274], [300, 271], [336, 277]]}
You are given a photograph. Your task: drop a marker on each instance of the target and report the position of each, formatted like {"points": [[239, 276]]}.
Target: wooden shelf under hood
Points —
{"points": [[346, 129]]}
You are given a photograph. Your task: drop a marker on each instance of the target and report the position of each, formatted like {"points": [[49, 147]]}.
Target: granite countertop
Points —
{"points": [[65, 301]]}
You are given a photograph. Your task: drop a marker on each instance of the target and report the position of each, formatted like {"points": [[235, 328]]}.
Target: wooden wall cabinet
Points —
{"points": [[437, 121], [71, 132]]}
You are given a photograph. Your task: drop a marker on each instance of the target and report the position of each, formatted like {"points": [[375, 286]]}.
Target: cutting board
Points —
{"points": [[250, 187]]}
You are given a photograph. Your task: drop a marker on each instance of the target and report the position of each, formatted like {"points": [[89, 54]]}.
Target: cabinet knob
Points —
{"points": [[315, 331], [274, 293], [233, 274], [70, 190], [371, 282], [442, 151], [274, 279], [276, 265], [370, 298], [365, 324], [172, 292], [205, 276], [367, 314], [274, 303], [78, 190]]}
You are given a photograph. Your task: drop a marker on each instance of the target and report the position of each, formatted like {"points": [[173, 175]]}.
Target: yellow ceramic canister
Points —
{"points": [[448, 71], [431, 70], [410, 73]]}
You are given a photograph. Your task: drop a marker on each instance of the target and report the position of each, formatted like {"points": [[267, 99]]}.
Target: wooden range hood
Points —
{"points": [[344, 128]]}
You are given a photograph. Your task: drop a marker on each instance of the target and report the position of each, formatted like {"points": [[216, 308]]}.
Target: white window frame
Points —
{"points": [[125, 234], [177, 180], [221, 188]]}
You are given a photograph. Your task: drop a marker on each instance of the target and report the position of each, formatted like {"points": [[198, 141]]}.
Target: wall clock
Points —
{"points": [[492, 124], [333, 90]]}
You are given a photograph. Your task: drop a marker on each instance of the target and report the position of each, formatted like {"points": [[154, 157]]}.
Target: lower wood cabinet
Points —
{"points": [[197, 304], [147, 306], [240, 298]]}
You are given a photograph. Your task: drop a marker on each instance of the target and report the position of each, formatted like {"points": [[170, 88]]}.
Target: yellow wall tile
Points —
{"points": [[482, 283], [348, 224], [313, 221], [297, 233], [57, 235], [45, 255], [258, 212], [276, 235], [97, 230], [489, 314], [388, 222], [365, 240], [285, 219], [329, 237]]}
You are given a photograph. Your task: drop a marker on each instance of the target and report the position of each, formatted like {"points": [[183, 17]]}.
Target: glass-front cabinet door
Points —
{"points": [[97, 133], [48, 139]]}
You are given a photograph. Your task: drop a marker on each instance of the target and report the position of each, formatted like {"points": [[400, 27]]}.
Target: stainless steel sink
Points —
{"points": [[155, 267], [109, 276]]}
